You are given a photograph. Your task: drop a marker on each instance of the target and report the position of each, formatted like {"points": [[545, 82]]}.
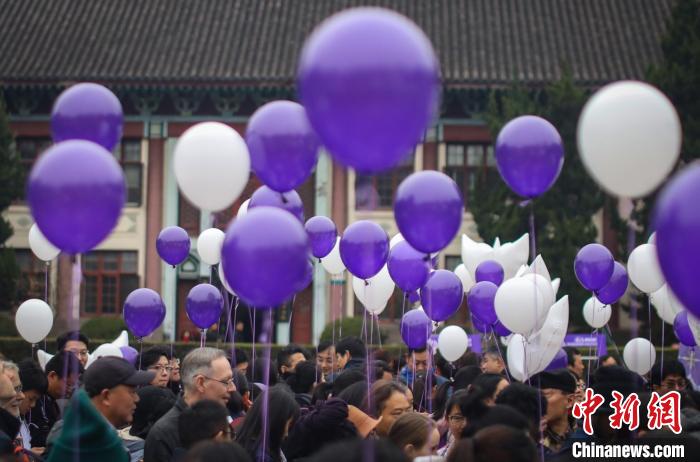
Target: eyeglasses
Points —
{"points": [[160, 368], [226, 383], [455, 419], [679, 384]]}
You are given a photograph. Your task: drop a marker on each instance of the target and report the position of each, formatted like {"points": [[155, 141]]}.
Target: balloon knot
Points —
{"points": [[319, 260], [284, 199], [427, 257], [366, 282], [525, 203], [174, 266]]}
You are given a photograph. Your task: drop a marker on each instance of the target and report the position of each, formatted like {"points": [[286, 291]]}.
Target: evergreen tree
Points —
{"points": [[564, 214], [11, 184]]}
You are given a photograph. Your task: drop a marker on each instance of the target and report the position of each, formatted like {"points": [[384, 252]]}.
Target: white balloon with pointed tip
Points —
{"points": [[666, 304], [639, 355], [106, 349], [595, 313], [512, 255], [395, 240], [544, 287], [545, 344], [475, 253], [43, 358], [41, 247], [538, 266], [34, 320], [644, 270], [332, 262], [243, 209], [466, 278], [555, 286], [122, 340]]}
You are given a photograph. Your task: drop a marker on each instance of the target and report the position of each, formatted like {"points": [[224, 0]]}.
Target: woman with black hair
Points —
{"points": [[282, 410], [490, 385]]}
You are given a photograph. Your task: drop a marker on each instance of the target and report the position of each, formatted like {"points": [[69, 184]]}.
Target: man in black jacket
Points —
{"points": [[206, 374]]}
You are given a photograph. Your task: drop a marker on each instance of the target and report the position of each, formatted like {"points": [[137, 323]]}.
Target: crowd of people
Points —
{"points": [[340, 402]]}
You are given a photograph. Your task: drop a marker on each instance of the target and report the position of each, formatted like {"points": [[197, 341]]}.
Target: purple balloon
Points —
{"points": [[369, 104], [480, 300], [289, 201], [283, 146], [322, 234], [415, 329], [144, 311], [204, 305], [500, 330], [530, 155], [677, 222], [441, 295], [594, 265], [490, 271], [76, 191], [480, 325], [130, 354], [616, 286], [266, 256], [364, 248], [173, 245], [308, 278], [559, 362], [407, 267], [428, 210], [414, 297], [682, 329], [88, 111]]}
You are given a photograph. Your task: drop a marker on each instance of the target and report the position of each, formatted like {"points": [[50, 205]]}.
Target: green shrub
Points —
{"points": [[7, 326], [350, 327], [104, 328]]}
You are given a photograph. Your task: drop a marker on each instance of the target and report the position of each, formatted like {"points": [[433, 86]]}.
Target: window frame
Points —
{"points": [[395, 176], [120, 155], [100, 274], [466, 169]]}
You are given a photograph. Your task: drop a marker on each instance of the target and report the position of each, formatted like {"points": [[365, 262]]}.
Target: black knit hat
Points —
{"points": [[559, 379]]}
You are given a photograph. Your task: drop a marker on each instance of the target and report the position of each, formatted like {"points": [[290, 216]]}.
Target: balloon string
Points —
{"points": [[202, 338], [403, 311], [252, 321], [291, 318], [614, 344], [652, 352], [533, 239], [140, 342], [663, 345], [379, 332], [498, 347], [267, 339], [333, 313], [73, 313], [340, 311], [46, 289], [368, 366]]}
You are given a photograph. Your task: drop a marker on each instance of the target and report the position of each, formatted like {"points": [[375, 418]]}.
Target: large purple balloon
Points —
{"points": [[530, 155], [428, 210], [594, 265], [364, 248], [204, 305], [441, 295], [129, 353], [407, 267], [173, 245], [490, 271], [415, 329], [481, 301], [289, 201], [559, 362], [480, 325], [322, 234], [369, 80], [265, 254], [76, 192], [616, 286], [677, 222], [283, 146], [682, 329], [88, 111], [500, 329], [144, 311]]}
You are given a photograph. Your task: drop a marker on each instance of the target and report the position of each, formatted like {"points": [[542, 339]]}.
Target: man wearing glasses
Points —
{"points": [[206, 374], [75, 342], [673, 377]]}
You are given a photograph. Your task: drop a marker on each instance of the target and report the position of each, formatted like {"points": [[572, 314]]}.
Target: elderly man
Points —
{"points": [[206, 374], [559, 388], [10, 398]]}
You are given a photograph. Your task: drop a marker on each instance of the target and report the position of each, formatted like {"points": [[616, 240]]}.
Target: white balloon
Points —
{"points": [[643, 269], [544, 345], [374, 294], [34, 319], [545, 288], [106, 349], [496, 243], [41, 247], [538, 266], [474, 253], [515, 357], [212, 165], [652, 238], [522, 271], [122, 340], [518, 305], [395, 240], [555, 286], [629, 127], [43, 358], [513, 255], [243, 209], [453, 343], [595, 313], [224, 282], [466, 278], [332, 262], [639, 355], [694, 324], [666, 304], [209, 244]]}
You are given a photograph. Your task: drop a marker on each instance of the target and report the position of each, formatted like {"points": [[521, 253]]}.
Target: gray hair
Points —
{"points": [[198, 362], [9, 365]]}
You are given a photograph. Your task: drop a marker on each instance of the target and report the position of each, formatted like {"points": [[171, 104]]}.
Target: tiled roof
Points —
{"points": [[244, 42]]}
